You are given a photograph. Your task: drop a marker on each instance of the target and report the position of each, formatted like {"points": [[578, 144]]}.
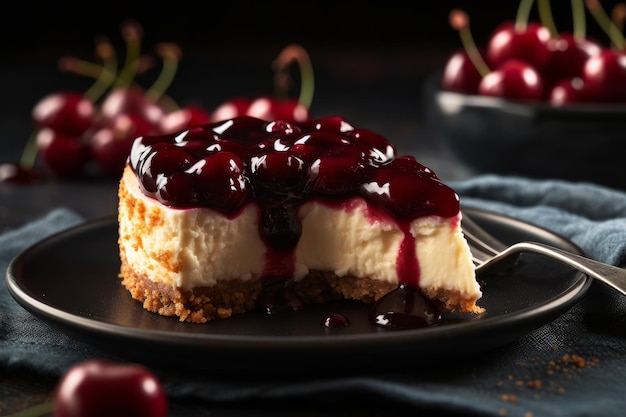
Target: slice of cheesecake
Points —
{"points": [[245, 214]]}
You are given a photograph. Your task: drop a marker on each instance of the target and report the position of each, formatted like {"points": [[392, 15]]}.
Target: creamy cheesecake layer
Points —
{"points": [[187, 249]]}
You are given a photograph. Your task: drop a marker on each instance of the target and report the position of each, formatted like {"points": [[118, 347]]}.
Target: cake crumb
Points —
{"points": [[510, 398]]}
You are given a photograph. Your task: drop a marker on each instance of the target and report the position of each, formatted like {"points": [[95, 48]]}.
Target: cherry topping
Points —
{"points": [[278, 166]]}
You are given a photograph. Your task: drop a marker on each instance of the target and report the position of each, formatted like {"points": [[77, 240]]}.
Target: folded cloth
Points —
{"points": [[573, 366]]}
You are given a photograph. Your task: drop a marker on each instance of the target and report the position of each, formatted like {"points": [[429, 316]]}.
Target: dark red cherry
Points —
{"points": [[162, 159], [377, 148], [338, 171], [409, 195], [131, 100], [460, 74], [568, 91], [66, 156], [235, 107], [67, 112], [220, 180], [99, 388], [604, 75], [514, 80], [271, 108], [184, 118], [528, 43], [176, 190], [334, 124], [279, 172], [111, 143], [568, 56]]}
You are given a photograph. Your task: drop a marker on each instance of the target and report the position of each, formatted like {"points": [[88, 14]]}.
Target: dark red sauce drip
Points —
{"points": [[280, 165], [332, 320], [278, 297], [405, 308]]}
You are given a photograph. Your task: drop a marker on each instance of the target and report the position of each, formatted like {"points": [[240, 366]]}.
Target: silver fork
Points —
{"points": [[488, 251]]}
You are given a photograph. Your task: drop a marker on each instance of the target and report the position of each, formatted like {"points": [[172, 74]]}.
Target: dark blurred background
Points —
{"points": [[371, 60]]}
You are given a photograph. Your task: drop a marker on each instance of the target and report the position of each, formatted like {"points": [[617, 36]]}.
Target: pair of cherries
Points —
{"points": [[529, 62]]}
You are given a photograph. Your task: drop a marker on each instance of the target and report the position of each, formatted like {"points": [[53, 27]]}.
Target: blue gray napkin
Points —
{"points": [[574, 366]]}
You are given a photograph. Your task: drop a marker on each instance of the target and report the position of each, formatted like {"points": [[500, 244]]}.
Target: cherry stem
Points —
{"points": [[618, 15], [295, 53], [35, 411], [459, 20], [29, 154], [104, 74], [579, 22], [546, 18], [523, 14], [609, 27], [132, 34], [170, 53]]}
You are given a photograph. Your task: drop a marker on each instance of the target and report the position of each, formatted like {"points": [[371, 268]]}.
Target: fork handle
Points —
{"points": [[609, 274]]}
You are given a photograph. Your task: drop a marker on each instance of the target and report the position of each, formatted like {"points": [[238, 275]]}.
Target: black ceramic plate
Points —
{"points": [[70, 281]]}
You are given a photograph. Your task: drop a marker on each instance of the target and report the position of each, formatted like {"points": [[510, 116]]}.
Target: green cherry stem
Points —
{"points": [[618, 15], [459, 20], [170, 54], [578, 20], [546, 18], [523, 14], [609, 27], [104, 74], [35, 411], [132, 33], [29, 154], [298, 54]]}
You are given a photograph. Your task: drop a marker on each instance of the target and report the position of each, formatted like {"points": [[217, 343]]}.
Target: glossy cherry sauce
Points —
{"points": [[278, 166]]}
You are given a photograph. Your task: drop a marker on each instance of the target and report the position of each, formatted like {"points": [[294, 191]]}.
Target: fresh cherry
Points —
{"points": [[184, 118], [528, 43], [460, 74], [110, 142], [604, 75], [568, 56], [271, 108], [514, 79], [131, 100], [466, 67], [99, 388], [568, 91], [234, 107], [66, 156], [67, 112]]}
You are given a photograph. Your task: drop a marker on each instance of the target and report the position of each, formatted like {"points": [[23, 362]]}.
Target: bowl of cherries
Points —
{"points": [[536, 102]]}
